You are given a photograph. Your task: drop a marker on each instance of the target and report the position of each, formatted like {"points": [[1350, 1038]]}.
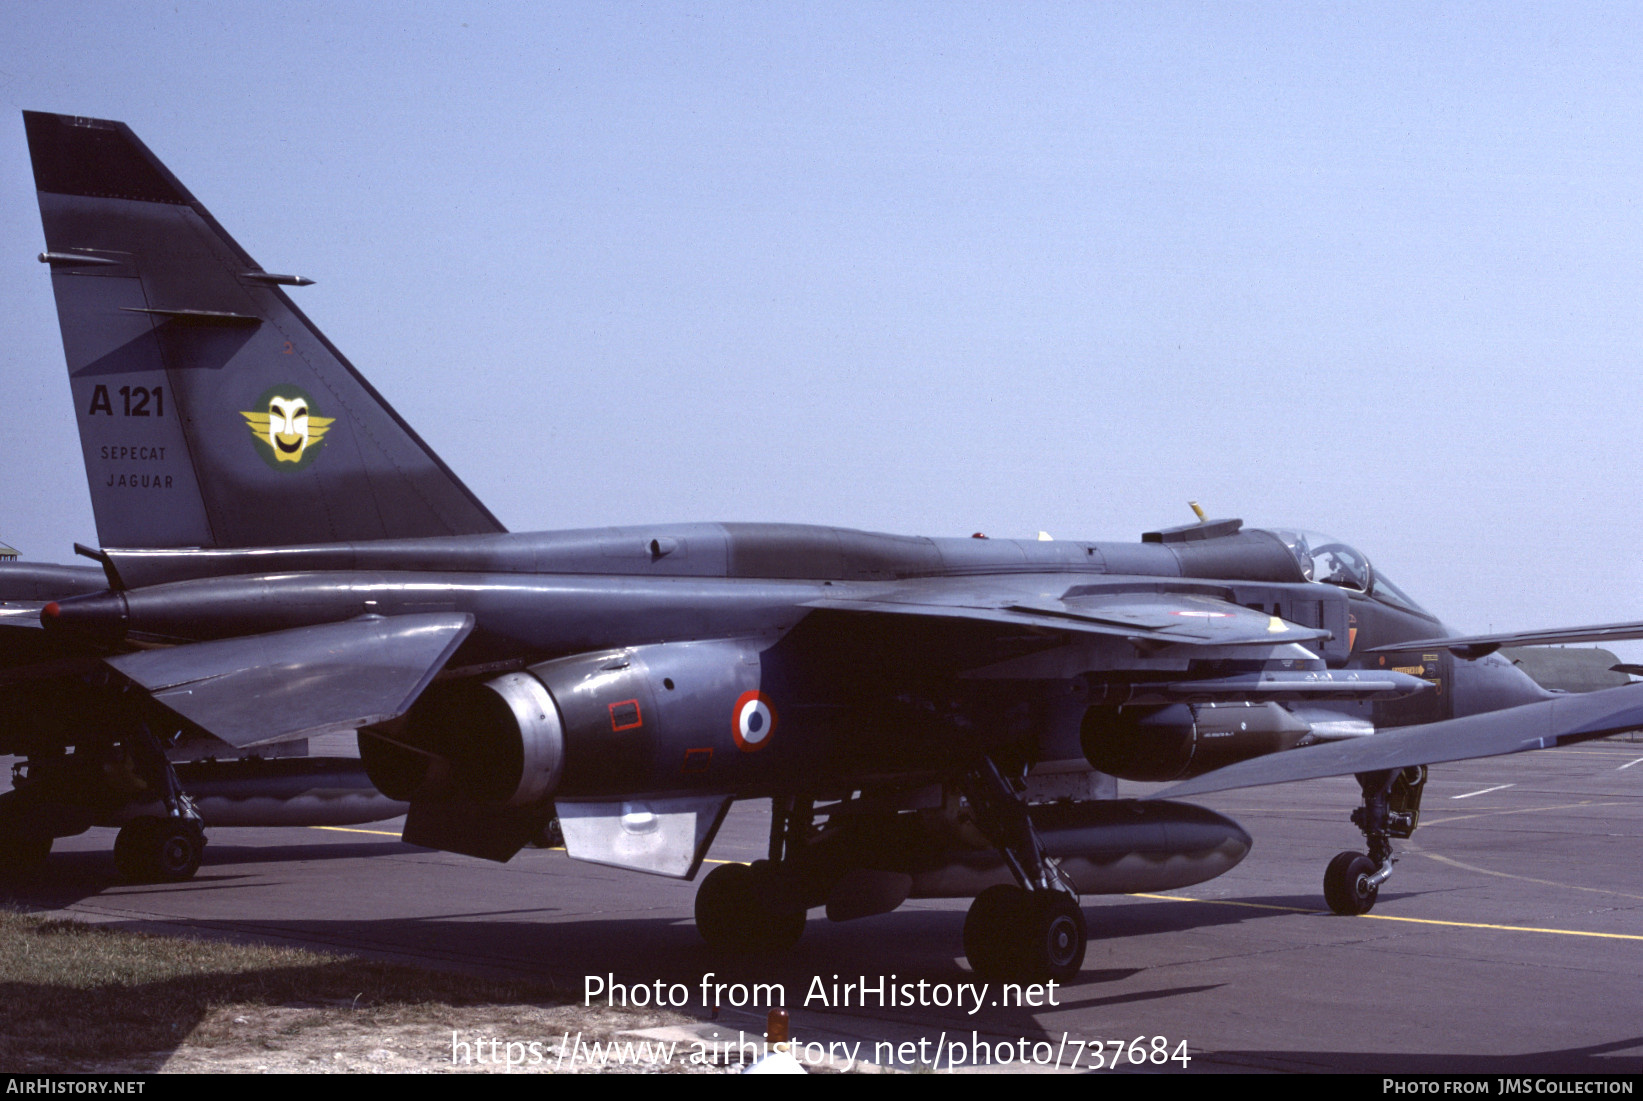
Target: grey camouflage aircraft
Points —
{"points": [[282, 557]]}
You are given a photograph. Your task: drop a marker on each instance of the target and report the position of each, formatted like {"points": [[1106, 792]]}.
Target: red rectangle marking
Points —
{"points": [[625, 715]]}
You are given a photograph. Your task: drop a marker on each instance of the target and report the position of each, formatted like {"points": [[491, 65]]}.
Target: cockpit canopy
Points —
{"points": [[1332, 562]]}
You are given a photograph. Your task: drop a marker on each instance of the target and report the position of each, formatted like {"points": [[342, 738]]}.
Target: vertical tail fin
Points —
{"points": [[212, 413]]}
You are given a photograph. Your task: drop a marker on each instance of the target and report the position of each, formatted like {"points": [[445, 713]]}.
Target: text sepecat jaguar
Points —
{"points": [[283, 557]]}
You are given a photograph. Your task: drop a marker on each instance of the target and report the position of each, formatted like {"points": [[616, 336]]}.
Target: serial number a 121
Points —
{"points": [[135, 401]]}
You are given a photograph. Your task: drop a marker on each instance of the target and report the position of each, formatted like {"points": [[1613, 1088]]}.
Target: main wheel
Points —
{"points": [[992, 938], [132, 848], [1346, 884], [158, 850], [1054, 938], [25, 851], [178, 848], [738, 909]]}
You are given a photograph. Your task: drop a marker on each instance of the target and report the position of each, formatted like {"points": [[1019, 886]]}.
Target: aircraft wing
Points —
{"points": [[1476, 646], [1562, 721], [304, 682], [1150, 620], [993, 629]]}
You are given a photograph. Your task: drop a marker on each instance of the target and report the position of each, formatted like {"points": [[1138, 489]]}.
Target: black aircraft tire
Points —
{"points": [[1345, 884], [778, 927], [992, 937], [735, 911], [177, 848], [1058, 938], [25, 853], [133, 849]]}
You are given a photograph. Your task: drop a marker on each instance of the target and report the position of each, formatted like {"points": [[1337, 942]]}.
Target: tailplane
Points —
{"points": [[212, 413]]}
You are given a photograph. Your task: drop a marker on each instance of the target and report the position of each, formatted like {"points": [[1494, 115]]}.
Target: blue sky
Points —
{"points": [[1374, 270]]}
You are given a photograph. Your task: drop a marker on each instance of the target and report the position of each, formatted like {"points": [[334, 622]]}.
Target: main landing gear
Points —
{"points": [[1016, 935], [1033, 931], [163, 849], [160, 850], [1391, 808], [743, 908], [760, 907]]}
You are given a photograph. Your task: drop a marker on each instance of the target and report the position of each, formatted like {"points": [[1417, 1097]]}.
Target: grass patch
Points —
{"points": [[77, 996]]}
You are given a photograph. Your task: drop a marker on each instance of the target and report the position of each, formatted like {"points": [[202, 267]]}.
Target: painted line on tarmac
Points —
{"points": [[1507, 928], [350, 829], [1390, 917], [1628, 764], [1230, 902], [1485, 791], [1453, 863], [1521, 810]]}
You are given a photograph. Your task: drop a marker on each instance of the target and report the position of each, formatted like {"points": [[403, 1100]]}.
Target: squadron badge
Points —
{"points": [[287, 431]]}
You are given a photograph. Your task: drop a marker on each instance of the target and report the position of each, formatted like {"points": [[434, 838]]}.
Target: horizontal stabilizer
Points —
{"points": [[301, 683], [1562, 721]]}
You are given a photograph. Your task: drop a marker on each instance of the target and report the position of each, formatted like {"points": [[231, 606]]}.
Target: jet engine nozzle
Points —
{"points": [[498, 743]]}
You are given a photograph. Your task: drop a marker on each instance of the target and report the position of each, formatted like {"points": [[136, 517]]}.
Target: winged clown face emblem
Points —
{"points": [[285, 424]]}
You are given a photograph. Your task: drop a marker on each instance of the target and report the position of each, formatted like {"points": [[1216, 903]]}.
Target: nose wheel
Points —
{"points": [[1346, 884], [1391, 808]]}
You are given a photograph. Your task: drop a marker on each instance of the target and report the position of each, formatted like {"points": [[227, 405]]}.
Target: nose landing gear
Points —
{"points": [[1391, 808]]}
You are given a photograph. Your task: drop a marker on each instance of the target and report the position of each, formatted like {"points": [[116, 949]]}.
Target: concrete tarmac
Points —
{"points": [[1509, 941]]}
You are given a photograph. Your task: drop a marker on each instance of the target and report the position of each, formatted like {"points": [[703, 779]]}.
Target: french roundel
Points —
{"points": [[753, 723]]}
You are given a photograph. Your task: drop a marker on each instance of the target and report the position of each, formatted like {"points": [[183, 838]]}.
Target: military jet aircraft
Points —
{"points": [[281, 556]]}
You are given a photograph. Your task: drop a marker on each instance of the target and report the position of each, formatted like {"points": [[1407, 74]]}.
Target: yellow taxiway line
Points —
{"points": [[1390, 917], [350, 829]]}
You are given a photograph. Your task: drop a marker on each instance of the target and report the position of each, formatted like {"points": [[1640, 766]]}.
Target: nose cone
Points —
{"points": [[101, 614]]}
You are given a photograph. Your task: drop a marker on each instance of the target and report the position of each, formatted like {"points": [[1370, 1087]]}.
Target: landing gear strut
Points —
{"points": [[166, 849], [1391, 808], [1032, 932]]}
